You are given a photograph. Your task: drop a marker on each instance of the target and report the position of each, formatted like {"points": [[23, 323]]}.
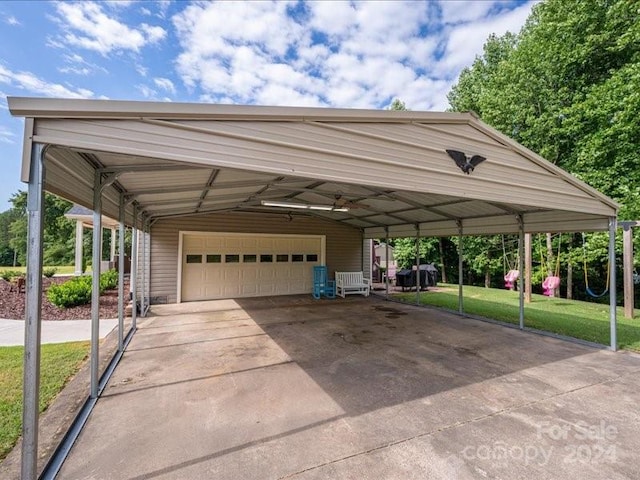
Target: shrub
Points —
{"points": [[71, 293], [108, 280], [49, 272], [77, 290], [9, 274]]}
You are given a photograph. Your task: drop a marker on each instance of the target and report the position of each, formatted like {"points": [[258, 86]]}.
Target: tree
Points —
{"points": [[567, 86], [58, 231], [397, 104]]}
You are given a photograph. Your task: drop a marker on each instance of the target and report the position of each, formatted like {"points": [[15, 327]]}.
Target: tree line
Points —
{"points": [[59, 233], [567, 86]]}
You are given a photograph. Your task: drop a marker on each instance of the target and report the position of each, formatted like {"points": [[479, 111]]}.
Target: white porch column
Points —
{"points": [[79, 245], [112, 254]]}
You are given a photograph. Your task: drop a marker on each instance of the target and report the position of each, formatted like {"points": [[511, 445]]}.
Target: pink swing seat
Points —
{"points": [[549, 285], [510, 278]]}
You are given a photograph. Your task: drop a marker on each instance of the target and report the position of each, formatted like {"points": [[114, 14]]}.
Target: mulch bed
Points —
{"points": [[12, 303]]}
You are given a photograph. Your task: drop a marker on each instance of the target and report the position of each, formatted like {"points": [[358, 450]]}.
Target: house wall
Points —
{"points": [[344, 245]]}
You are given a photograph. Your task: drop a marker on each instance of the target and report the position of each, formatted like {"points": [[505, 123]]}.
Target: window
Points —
{"points": [[232, 258], [250, 258], [214, 258], [282, 257], [194, 258], [297, 257], [312, 257], [266, 258]]}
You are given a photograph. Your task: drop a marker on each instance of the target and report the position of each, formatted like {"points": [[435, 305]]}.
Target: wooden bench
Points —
{"points": [[351, 282]]}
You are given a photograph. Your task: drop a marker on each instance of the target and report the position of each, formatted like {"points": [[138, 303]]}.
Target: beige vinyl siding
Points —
{"points": [[343, 243]]}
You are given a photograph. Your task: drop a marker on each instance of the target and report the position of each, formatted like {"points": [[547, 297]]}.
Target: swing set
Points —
{"points": [[586, 277], [512, 275], [551, 282]]}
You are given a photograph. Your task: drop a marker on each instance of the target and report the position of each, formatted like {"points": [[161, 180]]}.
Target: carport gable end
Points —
{"points": [[388, 152]]}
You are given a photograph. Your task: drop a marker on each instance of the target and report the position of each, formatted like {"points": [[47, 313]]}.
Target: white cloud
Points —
{"points": [[87, 25], [11, 20], [76, 64], [146, 91], [465, 41], [163, 7], [464, 10], [6, 136], [165, 84], [344, 54], [34, 85]]}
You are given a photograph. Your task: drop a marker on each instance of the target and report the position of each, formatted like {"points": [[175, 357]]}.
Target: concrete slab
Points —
{"points": [[53, 331], [288, 387]]}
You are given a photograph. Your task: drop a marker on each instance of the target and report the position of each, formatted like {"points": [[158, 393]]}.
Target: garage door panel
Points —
{"points": [[246, 265], [213, 243]]}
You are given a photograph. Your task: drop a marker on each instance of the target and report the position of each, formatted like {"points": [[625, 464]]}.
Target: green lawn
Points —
{"points": [[583, 320], [60, 270], [59, 362]]}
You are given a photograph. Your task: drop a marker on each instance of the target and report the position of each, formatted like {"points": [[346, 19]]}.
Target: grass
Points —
{"points": [[583, 320], [60, 269], [59, 362]]}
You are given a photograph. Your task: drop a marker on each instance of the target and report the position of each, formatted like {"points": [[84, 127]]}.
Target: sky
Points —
{"points": [[319, 54]]}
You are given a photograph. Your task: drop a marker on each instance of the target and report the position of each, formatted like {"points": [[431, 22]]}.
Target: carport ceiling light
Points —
{"points": [[303, 206]]}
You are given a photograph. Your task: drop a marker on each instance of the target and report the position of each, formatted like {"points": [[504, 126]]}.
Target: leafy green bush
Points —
{"points": [[71, 293], [49, 272], [77, 290], [9, 274], [108, 280]]}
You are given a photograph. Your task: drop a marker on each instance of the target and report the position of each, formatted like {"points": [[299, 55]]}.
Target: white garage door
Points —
{"points": [[217, 265]]}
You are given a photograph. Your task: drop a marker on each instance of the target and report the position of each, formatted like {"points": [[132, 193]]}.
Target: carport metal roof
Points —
{"points": [[390, 167], [166, 159]]}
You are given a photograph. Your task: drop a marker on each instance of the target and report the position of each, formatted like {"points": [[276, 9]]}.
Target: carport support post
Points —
{"points": [[612, 283], [121, 213], [386, 256], [527, 267], [521, 283], [627, 268], [133, 275], [144, 263], [33, 317], [95, 282], [418, 264], [460, 268]]}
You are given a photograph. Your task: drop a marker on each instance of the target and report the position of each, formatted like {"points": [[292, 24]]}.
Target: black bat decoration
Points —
{"points": [[465, 163]]}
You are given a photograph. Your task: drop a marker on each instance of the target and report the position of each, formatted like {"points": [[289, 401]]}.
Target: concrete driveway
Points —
{"points": [[289, 387]]}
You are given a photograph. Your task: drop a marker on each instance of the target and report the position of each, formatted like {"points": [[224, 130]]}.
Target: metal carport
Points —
{"points": [[144, 161]]}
